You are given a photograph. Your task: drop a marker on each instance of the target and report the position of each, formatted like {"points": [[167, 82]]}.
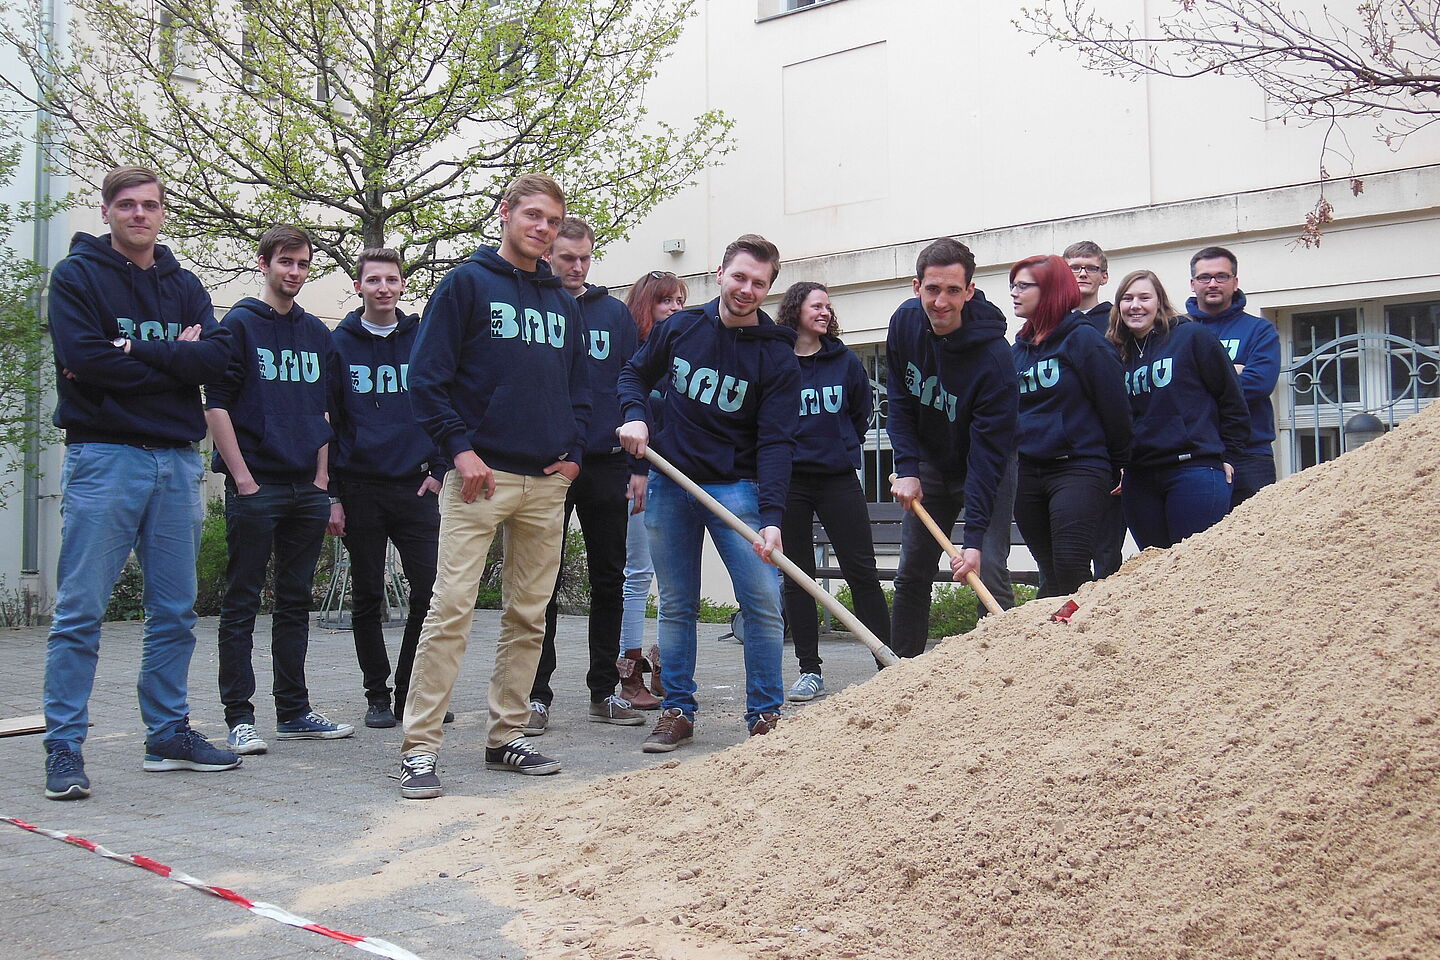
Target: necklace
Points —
{"points": [[1140, 345]]}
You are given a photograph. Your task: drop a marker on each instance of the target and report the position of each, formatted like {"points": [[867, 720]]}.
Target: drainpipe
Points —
{"points": [[30, 515]]}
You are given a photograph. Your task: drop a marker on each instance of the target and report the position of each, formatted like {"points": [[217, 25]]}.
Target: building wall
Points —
{"points": [[864, 130]]}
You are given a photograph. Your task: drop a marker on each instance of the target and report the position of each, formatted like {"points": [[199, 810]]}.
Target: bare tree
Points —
{"points": [[1380, 62], [370, 122]]}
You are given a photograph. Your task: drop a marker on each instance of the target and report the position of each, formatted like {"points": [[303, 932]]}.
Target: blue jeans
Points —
{"points": [[639, 572], [118, 498], [287, 520], [677, 523], [1164, 506], [1252, 472]]}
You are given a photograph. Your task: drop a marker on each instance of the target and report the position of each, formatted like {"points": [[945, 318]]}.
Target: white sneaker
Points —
{"points": [[538, 721], [808, 687], [244, 740]]}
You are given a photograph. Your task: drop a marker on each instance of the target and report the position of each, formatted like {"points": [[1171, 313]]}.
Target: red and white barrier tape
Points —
{"points": [[380, 948]]}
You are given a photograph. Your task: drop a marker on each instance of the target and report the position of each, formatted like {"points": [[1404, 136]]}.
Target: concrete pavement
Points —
{"points": [[301, 817]]}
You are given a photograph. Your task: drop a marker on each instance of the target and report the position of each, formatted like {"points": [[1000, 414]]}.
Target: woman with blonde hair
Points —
{"points": [[1190, 416]]}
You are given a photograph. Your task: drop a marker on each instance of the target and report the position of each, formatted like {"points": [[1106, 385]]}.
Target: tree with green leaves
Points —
{"points": [[24, 359], [1379, 62], [370, 122]]}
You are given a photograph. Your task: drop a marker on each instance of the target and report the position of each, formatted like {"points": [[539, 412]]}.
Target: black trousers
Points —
{"points": [[1253, 471], [920, 554], [288, 520], [377, 511], [1110, 533], [598, 497], [836, 498], [1057, 506]]}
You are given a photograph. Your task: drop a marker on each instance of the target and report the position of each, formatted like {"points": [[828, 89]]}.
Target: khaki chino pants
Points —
{"points": [[530, 511]]}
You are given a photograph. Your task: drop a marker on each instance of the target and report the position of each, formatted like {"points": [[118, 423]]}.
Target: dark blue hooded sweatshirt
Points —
{"points": [[1097, 316], [151, 396], [730, 406], [612, 341], [1253, 343], [499, 366], [276, 390], [1185, 399], [376, 434], [953, 402], [1073, 405], [835, 408]]}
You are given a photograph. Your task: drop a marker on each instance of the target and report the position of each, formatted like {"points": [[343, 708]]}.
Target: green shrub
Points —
{"points": [[710, 611], [953, 609], [574, 586]]}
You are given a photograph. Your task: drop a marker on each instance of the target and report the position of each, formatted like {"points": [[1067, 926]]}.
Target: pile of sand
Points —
{"points": [[1232, 751]]}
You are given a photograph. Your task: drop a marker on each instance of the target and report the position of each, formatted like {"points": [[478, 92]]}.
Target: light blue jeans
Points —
{"points": [[677, 523], [638, 573], [118, 498]]}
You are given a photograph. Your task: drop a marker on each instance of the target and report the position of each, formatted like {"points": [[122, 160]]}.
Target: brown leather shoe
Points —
{"points": [[656, 687], [672, 730], [632, 682], [764, 724]]}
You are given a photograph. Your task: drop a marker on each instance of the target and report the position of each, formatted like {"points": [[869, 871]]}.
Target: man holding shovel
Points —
{"points": [[729, 415], [953, 402]]}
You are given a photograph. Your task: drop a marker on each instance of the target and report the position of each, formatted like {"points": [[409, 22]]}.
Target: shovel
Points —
{"points": [[981, 591]]}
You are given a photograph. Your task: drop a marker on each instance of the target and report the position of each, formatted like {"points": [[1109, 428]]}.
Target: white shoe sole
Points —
{"points": [[246, 749], [337, 734], [165, 764]]}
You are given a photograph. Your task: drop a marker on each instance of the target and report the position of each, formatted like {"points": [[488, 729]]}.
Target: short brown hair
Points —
{"points": [[378, 255], [573, 228], [1215, 253], [1087, 248], [757, 247], [945, 252], [283, 237], [529, 184], [123, 178]]}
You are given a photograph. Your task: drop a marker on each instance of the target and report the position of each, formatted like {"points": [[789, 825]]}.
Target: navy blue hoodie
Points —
{"points": [[1185, 399], [953, 402], [1073, 404], [376, 436], [152, 395], [1097, 316], [276, 390], [499, 366], [835, 408], [730, 407], [1253, 343], [612, 340]]}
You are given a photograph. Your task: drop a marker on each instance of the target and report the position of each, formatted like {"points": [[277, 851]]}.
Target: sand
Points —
{"points": [[1231, 751]]}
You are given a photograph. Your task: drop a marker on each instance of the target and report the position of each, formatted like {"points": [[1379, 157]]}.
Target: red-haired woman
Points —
{"points": [[1074, 428], [653, 298]]}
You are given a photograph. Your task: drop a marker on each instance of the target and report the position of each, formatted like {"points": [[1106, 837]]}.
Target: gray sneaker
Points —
{"points": [[518, 756], [244, 740], [539, 719], [418, 780], [312, 726], [615, 710], [808, 687]]}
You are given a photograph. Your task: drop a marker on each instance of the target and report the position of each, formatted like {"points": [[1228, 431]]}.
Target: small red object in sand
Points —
{"points": [[1064, 614]]}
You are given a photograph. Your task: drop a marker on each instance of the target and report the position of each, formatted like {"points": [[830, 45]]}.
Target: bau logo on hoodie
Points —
{"points": [[532, 327], [1041, 376], [384, 378], [293, 366], [706, 385], [930, 392], [1157, 375], [830, 399], [148, 329]]}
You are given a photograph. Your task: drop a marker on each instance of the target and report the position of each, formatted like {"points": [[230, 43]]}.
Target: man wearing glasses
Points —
{"points": [[1092, 271], [1254, 348]]}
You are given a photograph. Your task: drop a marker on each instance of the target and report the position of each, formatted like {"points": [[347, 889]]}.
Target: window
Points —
{"points": [[770, 9], [1413, 374], [1332, 376], [178, 49]]}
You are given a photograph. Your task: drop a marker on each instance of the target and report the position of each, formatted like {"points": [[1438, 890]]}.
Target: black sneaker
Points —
{"points": [[187, 750], [520, 757], [418, 780], [65, 774], [379, 714]]}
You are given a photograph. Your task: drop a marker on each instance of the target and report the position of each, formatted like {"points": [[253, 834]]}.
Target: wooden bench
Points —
{"points": [[885, 523]]}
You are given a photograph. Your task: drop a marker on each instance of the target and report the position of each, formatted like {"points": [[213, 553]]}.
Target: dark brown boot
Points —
{"points": [[656, 686], [632, 666]]}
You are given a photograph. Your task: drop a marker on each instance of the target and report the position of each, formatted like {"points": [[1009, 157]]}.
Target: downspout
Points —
{"points": [[30, 515]]}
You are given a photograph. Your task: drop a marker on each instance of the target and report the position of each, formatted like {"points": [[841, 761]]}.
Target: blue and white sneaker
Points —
{"points": [[312, 726], [187, 750], [808, 687], [244, 740], [65, 774]]}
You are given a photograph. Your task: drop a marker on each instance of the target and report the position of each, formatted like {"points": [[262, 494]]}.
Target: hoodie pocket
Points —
{"points": [[531, 423], [291, 441]]}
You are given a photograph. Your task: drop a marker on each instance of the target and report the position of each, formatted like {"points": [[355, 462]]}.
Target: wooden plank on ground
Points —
{"points": [[15, 726]]}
